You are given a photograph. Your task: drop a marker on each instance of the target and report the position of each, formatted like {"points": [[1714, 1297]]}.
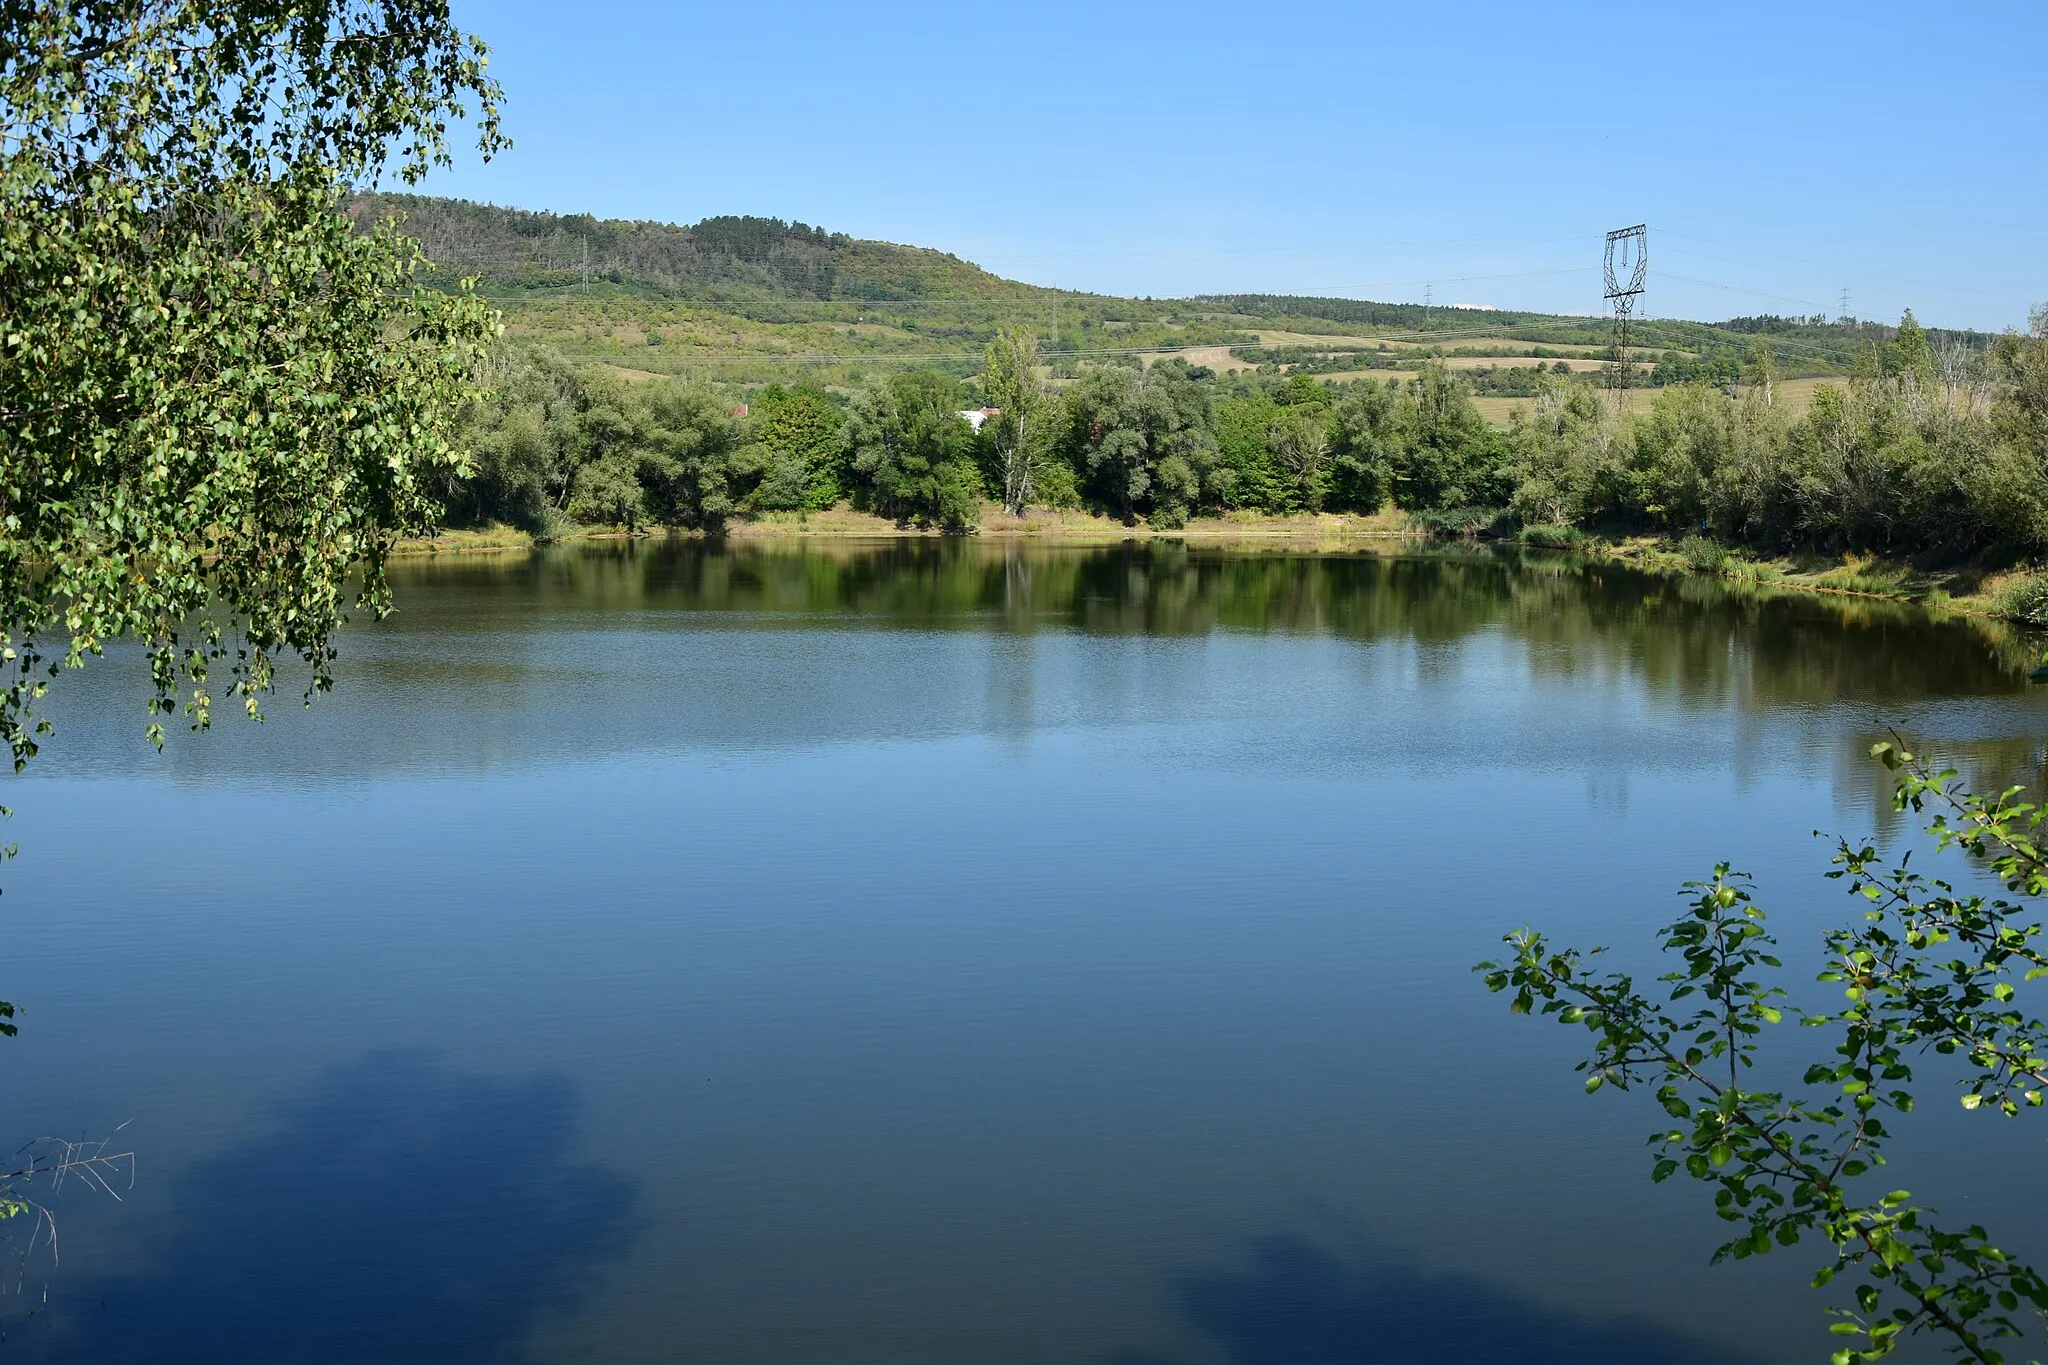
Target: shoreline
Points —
{"points": [[1039, 525], [1969, 591]]}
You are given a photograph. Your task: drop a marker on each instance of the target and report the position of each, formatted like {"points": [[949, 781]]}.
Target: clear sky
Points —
{"points": [[1785, 149]]}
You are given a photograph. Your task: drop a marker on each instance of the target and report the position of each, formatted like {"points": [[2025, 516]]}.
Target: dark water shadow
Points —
{"points": [[395, 1212], [1292, 1301]]}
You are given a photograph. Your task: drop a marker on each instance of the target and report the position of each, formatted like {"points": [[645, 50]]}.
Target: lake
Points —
{"points": [[896, 953]]}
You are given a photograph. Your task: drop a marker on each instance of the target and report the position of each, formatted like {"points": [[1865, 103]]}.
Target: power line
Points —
{"points": [[1924, 289], [1269, 250], [1825, 265], [1827, 352], [1759, 293]]}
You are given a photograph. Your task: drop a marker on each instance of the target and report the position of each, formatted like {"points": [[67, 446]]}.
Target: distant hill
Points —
{"points": [[767, 274], [1367, 313], [725, 259]]}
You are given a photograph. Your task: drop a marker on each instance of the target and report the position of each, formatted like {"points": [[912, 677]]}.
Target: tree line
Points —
{"points": [[1913, 455], [1908, 456], [557, 444]]}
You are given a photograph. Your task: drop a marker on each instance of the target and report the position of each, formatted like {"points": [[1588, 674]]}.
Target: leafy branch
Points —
{"points": [[1928, 968]]}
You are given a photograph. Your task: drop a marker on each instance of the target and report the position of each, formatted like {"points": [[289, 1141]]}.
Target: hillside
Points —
{"points": [[750, 299], [725, 259]]}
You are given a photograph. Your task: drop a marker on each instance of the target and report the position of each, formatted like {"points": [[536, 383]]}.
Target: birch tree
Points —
{"points": [[1009, 383]]}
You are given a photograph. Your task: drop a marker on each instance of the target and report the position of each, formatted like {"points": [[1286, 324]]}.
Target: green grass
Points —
{"points": [[2021, 596], [1869, 575], [1707, 556], [1552, 537]]}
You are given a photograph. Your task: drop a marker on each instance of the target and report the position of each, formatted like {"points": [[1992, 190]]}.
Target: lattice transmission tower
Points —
{"points": [[1627, 270]]}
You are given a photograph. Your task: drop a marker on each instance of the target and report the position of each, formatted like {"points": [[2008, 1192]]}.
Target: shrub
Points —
{"points": [[1552, 537], [2022, 597], [1705, 555], [1750, 571], [1457, 521]]}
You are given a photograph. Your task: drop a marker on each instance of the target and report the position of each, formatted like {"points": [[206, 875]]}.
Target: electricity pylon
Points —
{"points": [[1627, 269]]}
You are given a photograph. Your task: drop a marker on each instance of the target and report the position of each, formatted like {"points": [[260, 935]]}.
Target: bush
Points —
{"points": [[551, 524], [1750, 571], [913, 455], [607, 493], [2022, 597], [608, 451], [1552, 537], [1457, 521], [1705, 555]]}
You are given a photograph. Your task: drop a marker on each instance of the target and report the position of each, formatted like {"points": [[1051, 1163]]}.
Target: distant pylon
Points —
{"points": [[1843, 316], [1627, 270]]}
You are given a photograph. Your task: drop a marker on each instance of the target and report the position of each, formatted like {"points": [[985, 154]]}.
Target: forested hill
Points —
{"points": [[724, 259]]}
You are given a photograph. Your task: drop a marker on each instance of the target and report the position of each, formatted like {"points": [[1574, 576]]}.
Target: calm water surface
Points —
{"points": [[906, 954]]}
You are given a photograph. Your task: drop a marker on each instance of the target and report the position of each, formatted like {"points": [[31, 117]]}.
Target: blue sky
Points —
{"points": [[1780, 152]]}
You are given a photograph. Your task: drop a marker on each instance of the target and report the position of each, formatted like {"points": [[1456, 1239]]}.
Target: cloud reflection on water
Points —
{"points": [[396, 1212], [1293, 1301]]}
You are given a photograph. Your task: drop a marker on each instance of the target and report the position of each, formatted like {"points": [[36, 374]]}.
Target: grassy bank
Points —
{"points": [[1038, 524], [2013, 594]]}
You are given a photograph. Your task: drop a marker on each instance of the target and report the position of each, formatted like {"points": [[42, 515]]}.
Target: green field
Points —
{"points": [[749, 301]]}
